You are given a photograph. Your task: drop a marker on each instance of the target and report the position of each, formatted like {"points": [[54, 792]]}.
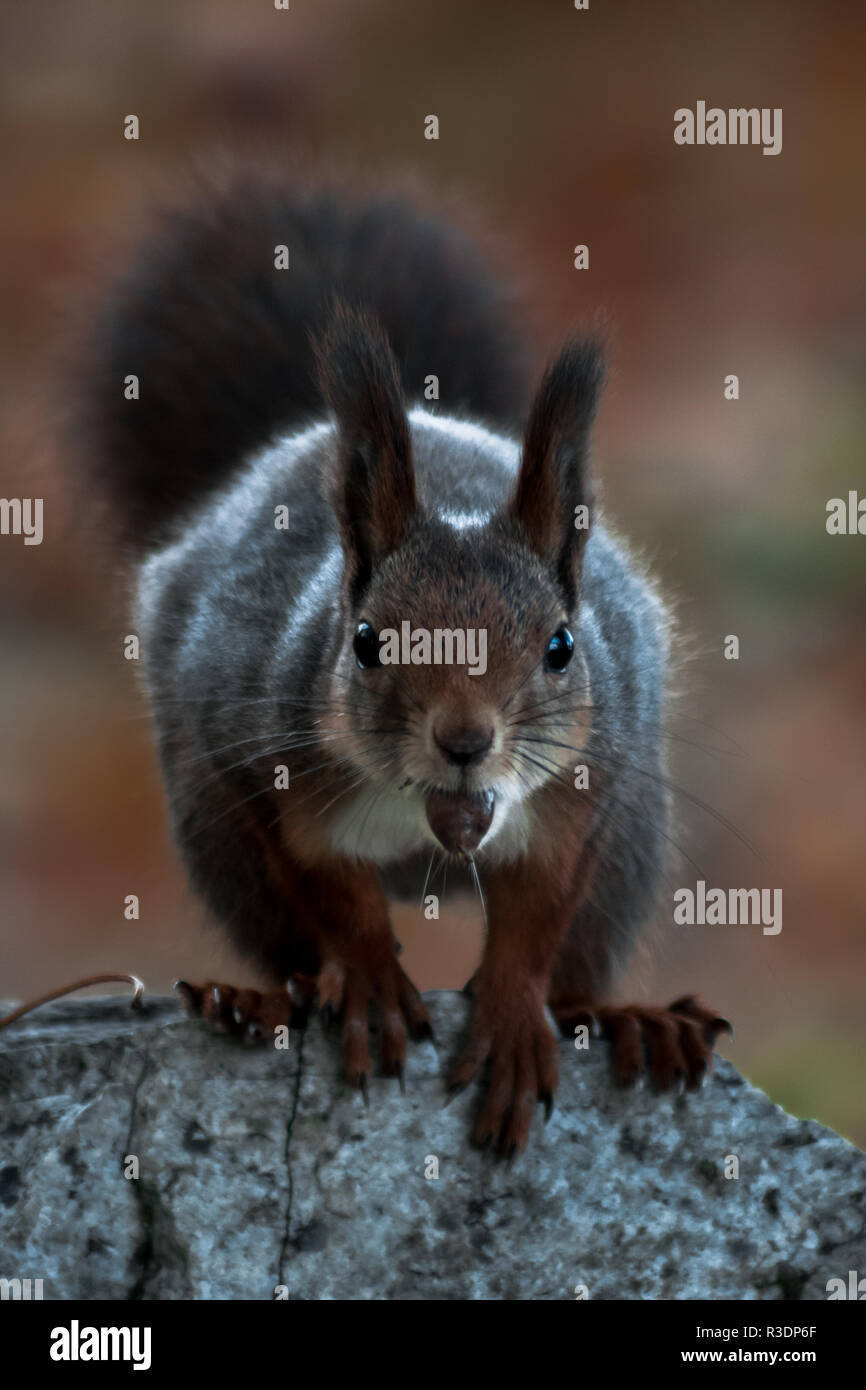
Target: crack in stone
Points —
{"points": [[160, 1244], [144, 1253], [162, 1247], [132, 1109], [287, 1231]]}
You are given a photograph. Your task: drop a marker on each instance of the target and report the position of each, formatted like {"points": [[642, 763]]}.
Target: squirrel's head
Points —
{"points": [[461, 674]]}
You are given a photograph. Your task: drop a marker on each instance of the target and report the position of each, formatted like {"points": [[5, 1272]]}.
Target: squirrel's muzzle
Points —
{"points": [[458, 821]]}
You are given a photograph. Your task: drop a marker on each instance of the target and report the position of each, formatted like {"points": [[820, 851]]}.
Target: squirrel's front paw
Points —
{"points": [[248, 1014], [674, 1045], [521, 1053], [349, 980]]}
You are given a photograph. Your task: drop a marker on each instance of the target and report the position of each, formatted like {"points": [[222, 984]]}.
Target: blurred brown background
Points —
{"points": [[557, 128]]}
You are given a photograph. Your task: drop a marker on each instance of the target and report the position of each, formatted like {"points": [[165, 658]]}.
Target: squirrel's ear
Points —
{"points": [[374, 492], [554, 480]]}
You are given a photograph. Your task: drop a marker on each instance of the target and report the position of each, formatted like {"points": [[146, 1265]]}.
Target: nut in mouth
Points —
{"points": [[458, 820]]}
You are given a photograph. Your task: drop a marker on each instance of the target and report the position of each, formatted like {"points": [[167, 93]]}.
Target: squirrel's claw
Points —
{"points": [[670, 1047]]}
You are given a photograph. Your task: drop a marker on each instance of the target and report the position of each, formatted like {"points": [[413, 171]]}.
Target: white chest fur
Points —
{"points": [[385, 825]]}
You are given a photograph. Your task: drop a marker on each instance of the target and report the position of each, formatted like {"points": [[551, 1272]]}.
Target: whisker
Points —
{"points": [[427, 878], [477, 882]]}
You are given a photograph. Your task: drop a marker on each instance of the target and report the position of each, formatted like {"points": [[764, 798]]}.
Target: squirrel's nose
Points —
{"points": [[464, 745]]}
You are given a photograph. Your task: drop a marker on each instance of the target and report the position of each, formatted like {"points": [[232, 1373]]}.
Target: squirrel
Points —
{"points": [[281, 337]]}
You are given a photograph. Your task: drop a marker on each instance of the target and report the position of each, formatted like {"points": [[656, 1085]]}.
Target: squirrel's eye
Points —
{"points": [[366, 646], [559, 650]]}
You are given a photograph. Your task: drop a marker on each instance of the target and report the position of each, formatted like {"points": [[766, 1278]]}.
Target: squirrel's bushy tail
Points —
{"points": [[219, 338]]}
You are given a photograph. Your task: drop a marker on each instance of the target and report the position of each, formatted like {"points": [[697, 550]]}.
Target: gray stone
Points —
{"points": [[261, 1168]]}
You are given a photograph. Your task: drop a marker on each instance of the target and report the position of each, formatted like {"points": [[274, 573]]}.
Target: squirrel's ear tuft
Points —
{"points": [[554, 481], [374, 491]]}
